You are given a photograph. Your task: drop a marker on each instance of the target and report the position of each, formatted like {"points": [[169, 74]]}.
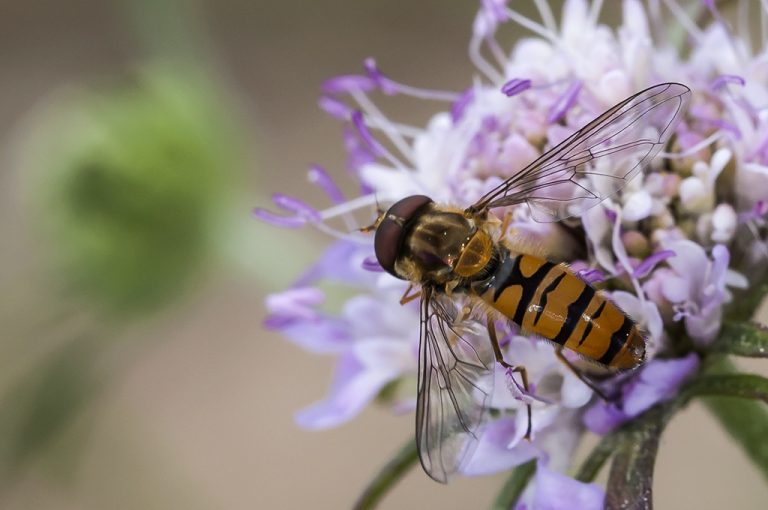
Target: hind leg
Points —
{"points": [[512, 369], [578, 373]]}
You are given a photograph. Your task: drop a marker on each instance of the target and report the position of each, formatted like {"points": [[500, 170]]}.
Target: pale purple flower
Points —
{"points": [[666, 239], [696, 287], [556, 491], [659, 380]]}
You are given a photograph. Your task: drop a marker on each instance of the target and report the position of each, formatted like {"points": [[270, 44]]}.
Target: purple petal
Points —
{"points": [[646, 266], [458, 108], [341, 262], [354, 386], [372, 264], [603, 417], [297, 206], [322, 335], [277, 219], [334, 107], [317, 175], [556, 491], [492, 453], [656, 382], [297, 302], [348, 83], [515, 86], [564, 103], [659, 380], [725, 79]]}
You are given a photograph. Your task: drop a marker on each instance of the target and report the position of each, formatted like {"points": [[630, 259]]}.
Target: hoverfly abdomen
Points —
{"points": [[551, 301]]}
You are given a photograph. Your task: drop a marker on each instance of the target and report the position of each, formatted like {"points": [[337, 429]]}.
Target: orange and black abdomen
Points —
{"points": [[551, 301]]}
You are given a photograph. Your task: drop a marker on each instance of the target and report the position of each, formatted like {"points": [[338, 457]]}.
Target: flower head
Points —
{"points": [[663, 247]]}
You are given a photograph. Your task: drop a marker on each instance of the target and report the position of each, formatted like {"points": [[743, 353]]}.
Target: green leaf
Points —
{"points": [[389, 475], [630, 481], [730, 385], [747, 423], [514, 486], [742, 339]]}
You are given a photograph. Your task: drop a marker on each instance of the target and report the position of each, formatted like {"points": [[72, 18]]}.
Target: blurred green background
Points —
{"points": [[135, 137]]}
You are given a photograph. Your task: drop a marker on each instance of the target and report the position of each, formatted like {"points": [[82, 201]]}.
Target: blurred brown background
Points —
{"points": [[196, 411]]}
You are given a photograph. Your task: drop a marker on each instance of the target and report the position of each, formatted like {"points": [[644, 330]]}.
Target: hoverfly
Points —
{"points": [[449, 252]]}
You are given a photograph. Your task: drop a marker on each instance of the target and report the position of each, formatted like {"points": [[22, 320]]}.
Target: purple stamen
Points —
{"points": [[515, 86], [334, 108], [372, 264], [646, 266], [591, 276], [317, 175], [496, 9], [458, 108], [359, 122], [564, 103], [726, 79], [348, 83], [359, 154], [278, 220], [385, 84], [297, 206]]}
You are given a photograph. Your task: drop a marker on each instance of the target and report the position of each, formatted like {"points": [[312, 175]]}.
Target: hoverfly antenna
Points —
{"points": [[379, 217]]}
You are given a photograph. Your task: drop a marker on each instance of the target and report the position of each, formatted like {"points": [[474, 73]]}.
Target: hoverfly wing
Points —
{"points": [[454, 387], [597, 160]]}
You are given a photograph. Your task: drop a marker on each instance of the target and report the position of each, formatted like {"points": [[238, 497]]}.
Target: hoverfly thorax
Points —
{"points": [[420, 241]]}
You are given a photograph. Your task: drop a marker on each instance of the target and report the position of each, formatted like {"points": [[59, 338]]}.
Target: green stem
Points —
{"points": [[742, 339], [730, 385], [514, 486], [630, 482], [389, 475], [598, 456]]}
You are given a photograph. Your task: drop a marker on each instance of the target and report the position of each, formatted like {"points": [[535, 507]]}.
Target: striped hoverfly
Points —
{"points": [[447, 252]]}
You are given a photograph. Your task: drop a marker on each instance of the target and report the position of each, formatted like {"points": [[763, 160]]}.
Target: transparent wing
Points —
{"points": [[455, 384], [597, 160]]}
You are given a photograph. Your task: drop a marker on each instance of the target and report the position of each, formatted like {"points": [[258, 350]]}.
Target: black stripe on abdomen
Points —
{"points": [[575, 311], [591, 322], [543, 301], [618, 339]]}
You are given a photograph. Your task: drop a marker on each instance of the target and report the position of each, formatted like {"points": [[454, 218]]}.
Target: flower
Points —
{"points": [[664, 248]]}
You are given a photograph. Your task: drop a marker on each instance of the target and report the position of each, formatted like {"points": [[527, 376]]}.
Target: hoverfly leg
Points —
{"points": [[406, 298], [512, 369], [578, 373]]}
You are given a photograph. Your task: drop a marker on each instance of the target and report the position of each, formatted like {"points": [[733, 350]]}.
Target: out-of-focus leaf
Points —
{"points": [[514, 486], [742, 339], [44, 403], [389, 475], [745, 420], [747, 423], [131, 185]]}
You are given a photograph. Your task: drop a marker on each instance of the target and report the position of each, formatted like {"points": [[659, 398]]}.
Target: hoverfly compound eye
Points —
{"points": [[390, 233]]}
